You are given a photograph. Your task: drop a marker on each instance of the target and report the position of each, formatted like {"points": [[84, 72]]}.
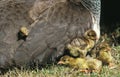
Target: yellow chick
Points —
{"points": [[94, 65], [91, 38], [76, 51], [24, 30], [80, 46], [77, 63], [94, 52], [100, 44], [23, 33], [105, 54]]}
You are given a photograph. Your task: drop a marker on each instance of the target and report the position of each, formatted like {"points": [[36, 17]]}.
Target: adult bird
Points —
{"points": [[55, 24]]}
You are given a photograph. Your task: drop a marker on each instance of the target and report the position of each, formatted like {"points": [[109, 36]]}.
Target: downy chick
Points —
{"points": [[105, 54], [77, 63], [91, 38], [24, 30], [94, 65], [80, 46], [94, 52], [76, 51], [23, 33]]}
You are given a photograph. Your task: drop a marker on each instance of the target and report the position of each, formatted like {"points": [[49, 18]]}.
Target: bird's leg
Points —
{"points": [[112, 65], [95, 71], [85, 71], [81, 70]]}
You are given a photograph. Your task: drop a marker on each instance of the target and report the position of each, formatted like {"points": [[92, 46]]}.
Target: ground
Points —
{"points": [[62, 71]]}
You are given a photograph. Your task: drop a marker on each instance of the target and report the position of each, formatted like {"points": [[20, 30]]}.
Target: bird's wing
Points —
{"points": [[79, 42], [47, 39]]}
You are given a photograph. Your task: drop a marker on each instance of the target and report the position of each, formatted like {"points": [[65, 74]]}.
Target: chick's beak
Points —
{"points": [[96, 39], [109, 49], [60, 62], [26, 33], [24, 30]]}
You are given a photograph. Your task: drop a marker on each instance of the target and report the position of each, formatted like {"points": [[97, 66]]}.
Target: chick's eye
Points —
{"points": [[64, 60], [89, 35], [93, 35]]}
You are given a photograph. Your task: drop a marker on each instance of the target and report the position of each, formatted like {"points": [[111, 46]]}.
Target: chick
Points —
{"points": [[77, 63], [91, 38], [104, 54], [76, 51], [80, 46], [23, 33], [94, 65], [93, 53], [24, 30]]}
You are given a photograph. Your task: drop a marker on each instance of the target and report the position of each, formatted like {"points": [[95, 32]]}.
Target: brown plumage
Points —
{"points": [[54, 23], [105, 53], [102, 51], [80, 46], [47, 39]]}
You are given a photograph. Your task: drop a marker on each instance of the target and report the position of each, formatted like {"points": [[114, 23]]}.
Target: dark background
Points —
{"points": [[110, 15]]}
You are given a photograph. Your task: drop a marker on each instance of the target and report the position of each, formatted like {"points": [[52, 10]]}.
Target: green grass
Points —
{"points": [[62, 71]]}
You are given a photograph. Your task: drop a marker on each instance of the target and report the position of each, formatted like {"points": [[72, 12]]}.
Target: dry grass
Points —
{"points": [[62, 71]]}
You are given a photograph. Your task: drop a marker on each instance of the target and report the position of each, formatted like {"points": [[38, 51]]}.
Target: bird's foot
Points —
{"points": [[112, 65], [95, 71], [85, 71]]}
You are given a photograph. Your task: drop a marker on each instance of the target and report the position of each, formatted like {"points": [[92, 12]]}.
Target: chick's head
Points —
{"points": [[24, 30], [76, 63], [66, 60], [104, 46], [90, 34]]}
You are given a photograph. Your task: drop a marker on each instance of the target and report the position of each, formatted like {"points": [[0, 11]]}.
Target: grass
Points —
{"points": [[62, 71]]}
